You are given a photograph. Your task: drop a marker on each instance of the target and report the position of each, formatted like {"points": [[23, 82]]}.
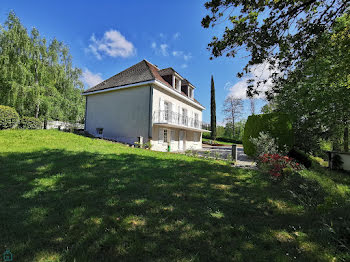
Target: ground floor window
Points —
{"points": [[165, 135], [196, 137], [172, 135]]}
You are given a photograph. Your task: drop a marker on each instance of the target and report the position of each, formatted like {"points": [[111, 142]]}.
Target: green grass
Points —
{"points": [[70, 198]]}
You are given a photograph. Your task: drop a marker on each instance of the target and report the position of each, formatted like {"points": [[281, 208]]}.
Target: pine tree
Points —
{"points": [[213, 110]]}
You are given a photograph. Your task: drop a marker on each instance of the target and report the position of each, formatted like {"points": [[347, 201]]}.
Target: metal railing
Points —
{"points": [[170, 117]]}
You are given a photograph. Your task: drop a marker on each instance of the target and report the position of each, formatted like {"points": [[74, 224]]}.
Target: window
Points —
{"points": [[184, 116], [172, 135], [190, 92], [165, 136], [99, 131], [196, 137], [196, 122], [166, 110]]}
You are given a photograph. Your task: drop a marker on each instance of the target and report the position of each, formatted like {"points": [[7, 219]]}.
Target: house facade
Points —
{"points": [[146, 104]]}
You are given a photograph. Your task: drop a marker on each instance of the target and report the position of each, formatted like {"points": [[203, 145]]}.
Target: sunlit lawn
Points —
{"points": [[66, 197]]}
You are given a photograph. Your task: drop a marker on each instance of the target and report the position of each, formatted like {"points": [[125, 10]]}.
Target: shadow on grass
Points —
{"points": [[62, 205]]}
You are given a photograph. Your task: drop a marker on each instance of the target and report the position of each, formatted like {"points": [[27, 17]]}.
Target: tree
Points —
{"points": [[252, 106], [281, 33], [317, 92], [212, 110], [232, 109], [37, 78]]}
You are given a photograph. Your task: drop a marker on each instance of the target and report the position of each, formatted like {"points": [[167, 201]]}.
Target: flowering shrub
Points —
{"points": [[277, 165]]}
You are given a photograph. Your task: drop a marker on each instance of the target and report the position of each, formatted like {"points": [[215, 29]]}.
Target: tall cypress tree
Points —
{"points": [[213, 110]]}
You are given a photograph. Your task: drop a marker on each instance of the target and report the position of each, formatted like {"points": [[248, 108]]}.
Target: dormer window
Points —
{"points": [[177, 84], [190, 93]]}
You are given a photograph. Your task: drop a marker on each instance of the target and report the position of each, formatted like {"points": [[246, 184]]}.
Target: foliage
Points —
{"points": [[278, 32], [279, 126], [28, 122], [93, 200], [8, 117], [37, 77], [222, 139], [277, 165], [300, 157], [264, 144], [212, 109], [317, 92], [239, 130]]}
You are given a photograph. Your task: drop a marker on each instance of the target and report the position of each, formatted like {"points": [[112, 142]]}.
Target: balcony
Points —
{"points": [[173, 119]]}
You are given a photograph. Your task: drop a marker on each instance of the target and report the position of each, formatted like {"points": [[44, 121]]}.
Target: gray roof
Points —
{"points": [[140, 72]]}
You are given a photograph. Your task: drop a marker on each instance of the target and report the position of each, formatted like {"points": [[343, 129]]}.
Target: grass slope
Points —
{"points": [[66, 197]]}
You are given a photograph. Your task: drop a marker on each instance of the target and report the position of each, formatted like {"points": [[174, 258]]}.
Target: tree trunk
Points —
{"points": [[37, 109], [233, 127]]}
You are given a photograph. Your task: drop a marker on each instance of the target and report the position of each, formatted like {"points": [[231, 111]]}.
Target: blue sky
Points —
{"points": [[166, 33]]}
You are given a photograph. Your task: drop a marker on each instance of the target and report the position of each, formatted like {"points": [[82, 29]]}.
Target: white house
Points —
{"points": [[144, 101]]}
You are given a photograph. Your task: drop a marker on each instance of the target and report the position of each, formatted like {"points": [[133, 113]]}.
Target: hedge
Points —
{"points": [[222, 139], [30, 123], [278, 125], [8, 117]]}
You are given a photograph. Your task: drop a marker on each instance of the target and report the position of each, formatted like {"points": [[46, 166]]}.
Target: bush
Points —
{"points": [[277, 165], [222, 139], [278, 125], [300, 157], [8, 117], [30, 123], [264, 144]]}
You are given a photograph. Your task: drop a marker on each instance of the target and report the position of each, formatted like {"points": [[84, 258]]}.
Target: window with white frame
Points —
{"points": [[172, 132], [166, 110], [165, 135], [196, 121], [184, 116]]}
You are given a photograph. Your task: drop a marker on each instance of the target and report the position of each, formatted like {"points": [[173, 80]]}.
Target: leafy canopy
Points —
{"points": [[278, 32], [37, 77]]}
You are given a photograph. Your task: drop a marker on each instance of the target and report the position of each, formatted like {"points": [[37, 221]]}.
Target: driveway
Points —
{"points": [[224, 152]]}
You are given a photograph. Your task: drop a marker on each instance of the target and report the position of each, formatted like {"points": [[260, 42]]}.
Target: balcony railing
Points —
{"points": [[170, 117]]}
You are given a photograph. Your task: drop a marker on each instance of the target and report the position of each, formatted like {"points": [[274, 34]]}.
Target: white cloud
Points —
{"points": [[160, 50], [184, 66], [163, 49], [176, 35], [90, 79], [187, 57], [259, 73], [113, 44], [177, 53]]}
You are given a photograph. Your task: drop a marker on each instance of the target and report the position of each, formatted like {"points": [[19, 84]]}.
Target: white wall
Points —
{"points": [[123, 114], [175, 101], [346, 160], [158, 143]]}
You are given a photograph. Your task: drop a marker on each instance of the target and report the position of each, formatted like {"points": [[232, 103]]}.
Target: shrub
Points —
{"points": [[8, 117], [278, 125], [277, 165], [222, 139], [30, 123], [300, 157], [264, 144]]}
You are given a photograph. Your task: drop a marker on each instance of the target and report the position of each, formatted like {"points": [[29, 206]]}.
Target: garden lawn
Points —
{"points": [[66, 197]]}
